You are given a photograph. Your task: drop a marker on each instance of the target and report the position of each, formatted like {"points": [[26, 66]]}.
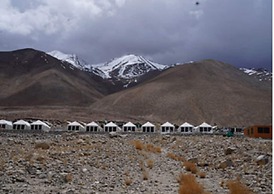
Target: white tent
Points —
{"points": [[205, 128], [186, 128], [167, 127], [39, 125], [92, 127], [21, 125], [129, 126], [5, 124], [110, 127], [148, 127], [75, 126]]}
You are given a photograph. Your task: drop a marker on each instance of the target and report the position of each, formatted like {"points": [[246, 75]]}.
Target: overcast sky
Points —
{"points": [[167, 31]]}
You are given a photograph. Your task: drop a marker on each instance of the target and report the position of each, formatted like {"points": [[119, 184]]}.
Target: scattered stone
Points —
{"points": [[80, 141], [226, 163], [42, 145], [68, 177], [20, 179], [113, 134], [95, 163], [193, 160], [262, 160], [229, 150]]}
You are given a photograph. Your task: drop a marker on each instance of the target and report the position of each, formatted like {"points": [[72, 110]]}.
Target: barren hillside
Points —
{"points": [[30, 77], [208, 91]]}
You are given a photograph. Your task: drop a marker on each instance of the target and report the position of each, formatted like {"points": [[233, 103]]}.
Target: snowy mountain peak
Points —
{"points": [[70, 58], [128, 67]]}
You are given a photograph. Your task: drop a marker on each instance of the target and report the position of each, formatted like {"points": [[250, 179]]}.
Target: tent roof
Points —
{"points": [[129, 124], [93, 124], [38, 122], [186, 124], [21, 122], [148, 124], [75, 123], [167, 124], [204, 124], [6, 122], [111, 124]]}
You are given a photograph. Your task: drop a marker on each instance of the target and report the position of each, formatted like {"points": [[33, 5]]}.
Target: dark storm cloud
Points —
{"points": [[140, 30], [168, 31], [238, 33]]}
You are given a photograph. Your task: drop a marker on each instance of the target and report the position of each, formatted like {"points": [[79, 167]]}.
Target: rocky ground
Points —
{"points": [[128, 163]]}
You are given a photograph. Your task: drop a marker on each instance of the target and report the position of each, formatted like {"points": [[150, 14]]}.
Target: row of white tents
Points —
{"points": [[24, 125], [109, 127], [146, 128]]}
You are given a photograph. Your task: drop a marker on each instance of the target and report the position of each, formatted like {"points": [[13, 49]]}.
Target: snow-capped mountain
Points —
{"points": [[124, 71], [127, 67], [261, 74], [72, 59]]}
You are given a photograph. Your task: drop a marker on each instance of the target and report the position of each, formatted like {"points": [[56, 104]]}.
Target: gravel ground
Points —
{"points": [[130, 163]]}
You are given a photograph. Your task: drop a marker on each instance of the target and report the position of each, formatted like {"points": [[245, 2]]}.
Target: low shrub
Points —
{"points": [[158, 150], [189, 185], [128, 181], [68, 177], [138, 144], [175, 157], [153, 149], [145, 175], [202, 174], [180, 158], [189, 166], [236, 187], [172, 156], [150, 163]]}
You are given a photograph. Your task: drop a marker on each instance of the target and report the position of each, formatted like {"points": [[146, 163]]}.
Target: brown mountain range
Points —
{"points": [[31, 77], [209, 91]]}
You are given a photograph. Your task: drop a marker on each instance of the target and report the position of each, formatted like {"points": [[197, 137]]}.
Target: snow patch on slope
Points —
{"points": [[260, 74], [72, 59]]}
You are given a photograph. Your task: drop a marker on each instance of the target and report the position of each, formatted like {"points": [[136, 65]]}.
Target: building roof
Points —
{"points": [[93, 124], [111, 124], [75, 123], [38, 122], [204, 124], [167, 124], [6, 122], [148, 124], [129, 124], [186, 124], [21, 122]]}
